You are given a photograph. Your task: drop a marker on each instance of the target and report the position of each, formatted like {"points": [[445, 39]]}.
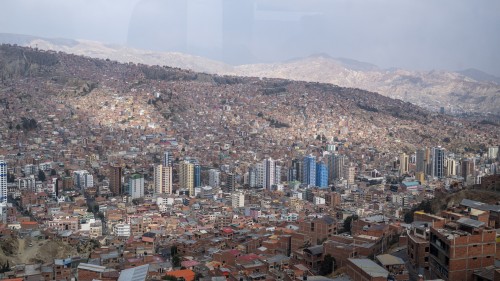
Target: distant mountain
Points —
{"points": [[27, 40], [479, 75], [458, 92], [117, 53], [430, 89]]}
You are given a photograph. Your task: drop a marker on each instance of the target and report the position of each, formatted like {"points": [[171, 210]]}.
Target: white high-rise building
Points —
{"points": [[213, 177], [83, 179], [493, 152], [163, 179], [238, 199], [404, 163], [450, 167], [3, 181], [267, 173], [136, 186], [349, 174], [122, 230]]}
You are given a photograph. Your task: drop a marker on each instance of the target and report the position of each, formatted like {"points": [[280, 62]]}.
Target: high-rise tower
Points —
{"points": [[115, 179], [309, 170], [438, 154], [163, 179], [404, 163], [3, 181], [186, 177], [420, 161]]}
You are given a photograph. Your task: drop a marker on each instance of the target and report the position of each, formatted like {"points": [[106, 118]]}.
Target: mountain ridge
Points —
{"points": [[456, 92]]}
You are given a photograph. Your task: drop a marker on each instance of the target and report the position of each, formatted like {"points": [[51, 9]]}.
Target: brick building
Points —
{"points": [[89, 272], [332, 199], [461, 247], [418, 238], [318, 229], [342, 247]]}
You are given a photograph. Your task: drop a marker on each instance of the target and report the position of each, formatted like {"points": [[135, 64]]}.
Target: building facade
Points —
{"points": [[136, 186], [163, 179], [309, 170]]}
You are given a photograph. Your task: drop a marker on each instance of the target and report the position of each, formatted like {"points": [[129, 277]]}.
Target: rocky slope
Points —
{"points": [[457, 92], [433, 89]]}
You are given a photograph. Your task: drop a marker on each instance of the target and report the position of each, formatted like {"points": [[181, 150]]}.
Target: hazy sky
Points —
{"points": [[418, 34]]}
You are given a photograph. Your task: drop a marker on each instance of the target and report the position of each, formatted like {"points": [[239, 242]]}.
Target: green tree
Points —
{"points": [[348, 223], [138, 201], [53, 172], [425, 206], [41, 175], [327, 265], [173, 251], [176, 261], [5, 267], [169, 277]]}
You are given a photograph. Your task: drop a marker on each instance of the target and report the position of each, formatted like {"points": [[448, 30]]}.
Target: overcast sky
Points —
{"points": [[418, 34]]}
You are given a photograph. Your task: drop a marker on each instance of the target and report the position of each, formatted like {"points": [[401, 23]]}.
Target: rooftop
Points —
{"points": [[470, 222], [91, 267], [138, 273], [389, 260], [480, 205], [370, 267]]}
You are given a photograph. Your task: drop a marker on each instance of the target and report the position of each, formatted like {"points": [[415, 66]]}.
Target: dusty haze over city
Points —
{"points": [[416, 35]]}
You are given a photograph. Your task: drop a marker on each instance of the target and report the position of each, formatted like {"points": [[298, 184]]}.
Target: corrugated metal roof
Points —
{"points": [[370, 267], [91, 267], [138, 273], [480, 205], [389, 260], [470, 222]]}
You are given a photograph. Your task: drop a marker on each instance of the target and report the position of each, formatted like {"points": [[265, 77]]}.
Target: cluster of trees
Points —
{"points": [[89, 246], [425, 206], [367, 107], [28, 123], [5, 267], [176, 259], [327, 265], [348, 223], [23, 62], [276, 90], [167, 74], [226, 80], [9, 246]]}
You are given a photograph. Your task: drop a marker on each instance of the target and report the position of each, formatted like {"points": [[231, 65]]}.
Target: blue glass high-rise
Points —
{"points": [[309, 170], [321, 175], [197, 175]]}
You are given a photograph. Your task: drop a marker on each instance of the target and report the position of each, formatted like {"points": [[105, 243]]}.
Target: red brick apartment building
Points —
{"points": [[418, 238], [459, 248]]}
